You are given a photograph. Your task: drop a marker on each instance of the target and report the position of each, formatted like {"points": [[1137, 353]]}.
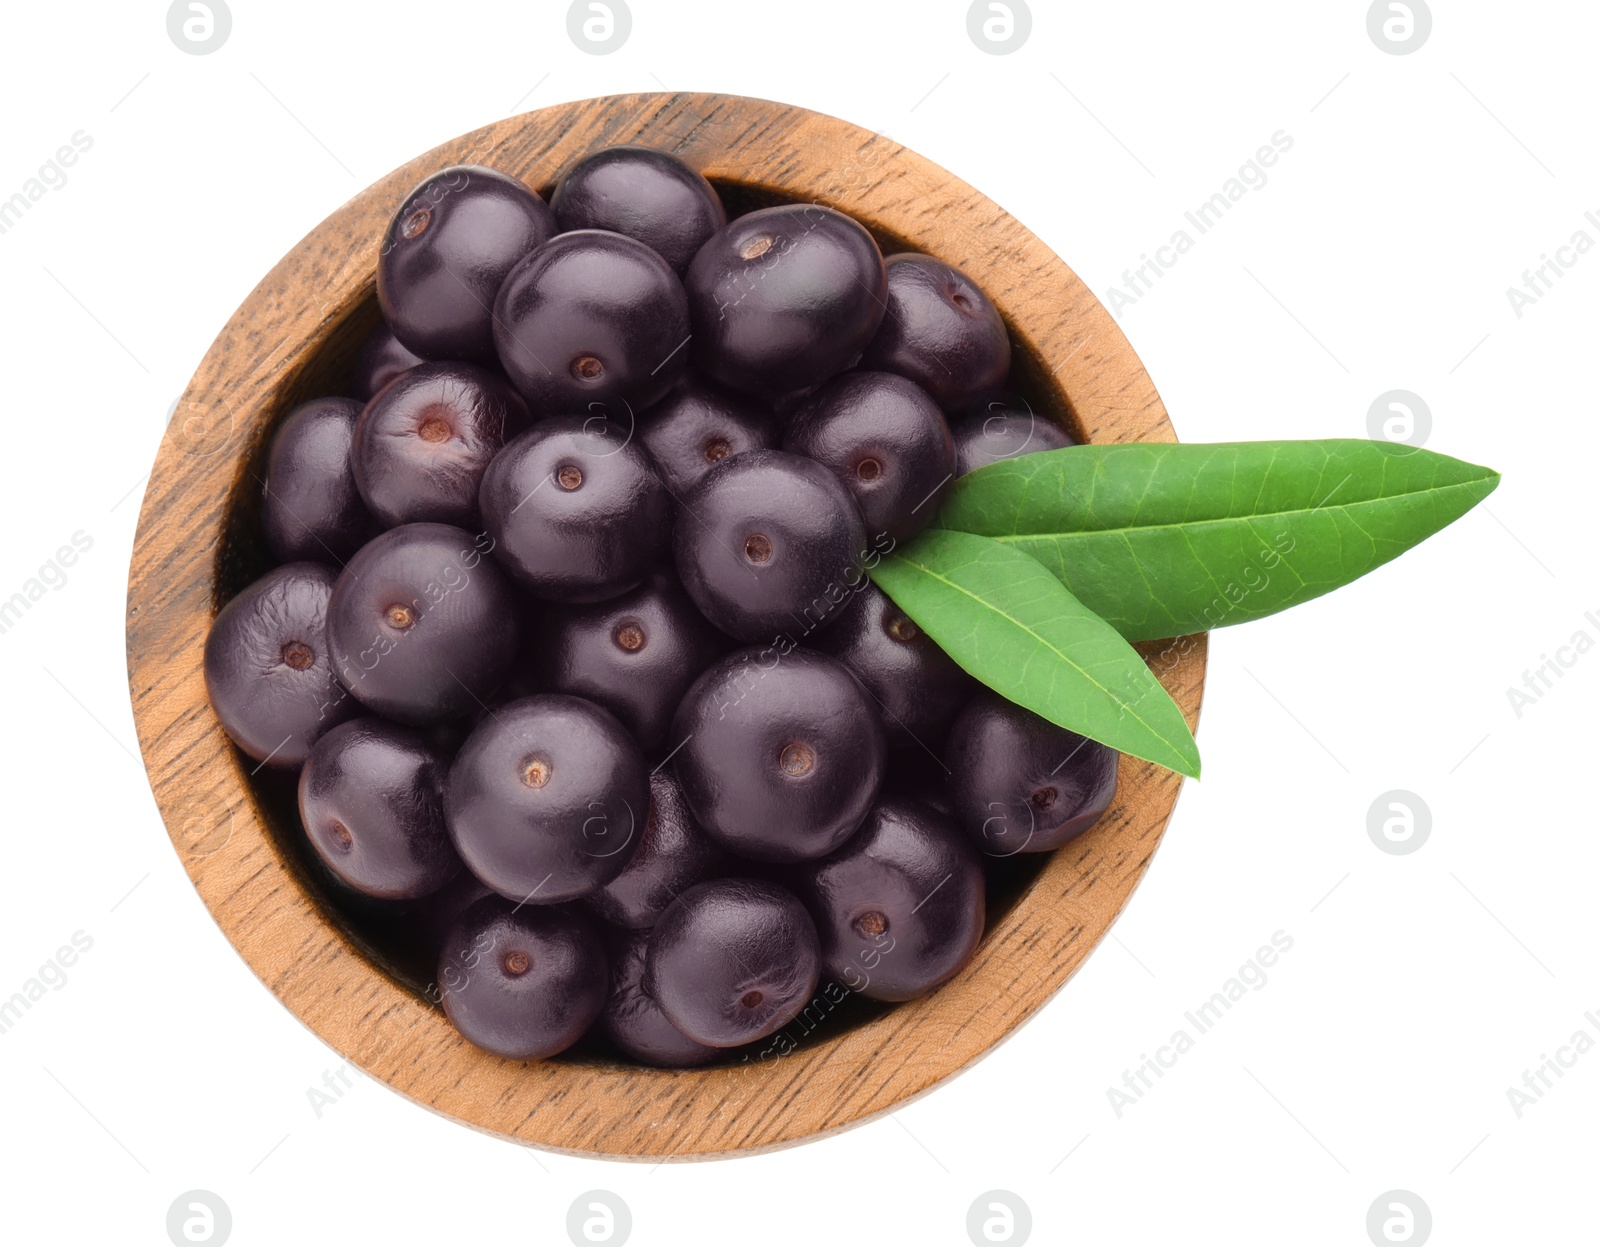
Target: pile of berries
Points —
{"points": [[572, 639]]}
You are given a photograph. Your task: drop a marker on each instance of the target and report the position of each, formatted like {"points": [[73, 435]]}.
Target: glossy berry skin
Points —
{"points": [[733, 960], [939, 330], [887, 441], [1022, 784], [547, 799], [372, 804], [1002, 426], [632, 1022], [575, 510], [782, 298], [379, 361], [917, 687], [699, 425], [782, 753], [423, 444], [522, 983], [422, 624], [592, 322], [769, 543], [446, 253], [310, 507], [636, 654], [268, 669], [900, 907], [648, 195], [674, 855]]}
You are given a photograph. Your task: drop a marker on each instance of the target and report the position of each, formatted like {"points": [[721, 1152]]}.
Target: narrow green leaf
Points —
{"points": [[1012, 625], [1166, 539]]}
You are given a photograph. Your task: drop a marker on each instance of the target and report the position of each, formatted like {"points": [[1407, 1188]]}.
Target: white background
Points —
{"points": [[1419, 987]]}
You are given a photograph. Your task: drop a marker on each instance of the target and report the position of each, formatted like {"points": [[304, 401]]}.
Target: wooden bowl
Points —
{"points": [[293, 338]]}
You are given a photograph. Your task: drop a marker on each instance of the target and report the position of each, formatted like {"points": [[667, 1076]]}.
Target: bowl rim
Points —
{"points": [[821, 1084]]}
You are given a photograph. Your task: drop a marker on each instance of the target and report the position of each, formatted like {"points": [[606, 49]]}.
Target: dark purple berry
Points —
{"points": [[699, 425], [940, 330], [429, 919], [310, 507], [632, 1022], [379, 361], [648, 195], [783, 298], [1022, 784], [268, 669], [918, 688], [521, 982], [592, 322], [547, 800], [422, 624], [887, 441], [422, 445], [1002, 426], [636, 654], [674, 855], [769, 543], [899, 908], [732, 960], [916, 775], [372, 803], [781, 753], [575, 510], [447, 252]]}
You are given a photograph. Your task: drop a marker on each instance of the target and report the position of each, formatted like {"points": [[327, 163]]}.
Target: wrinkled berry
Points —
{"points": [[887, 441], [782, 298], [940, 330], [781, 753], [918, 688], [769, 543], [699, 425], [648, 195], [674, 855], [422, 445], [1020, 783], [522, 982], [422, 624], [310, 507], [592, 322], [268, 670], [899, 907], [575, 510], [547, 799], [632, 1022], [1002, 426], [447, 251], [732, 960], [636, 654], [372, 804]]}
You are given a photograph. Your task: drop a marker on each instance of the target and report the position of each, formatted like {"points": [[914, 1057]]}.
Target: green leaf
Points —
{"points": [[1012, 625], [1166, 539]]}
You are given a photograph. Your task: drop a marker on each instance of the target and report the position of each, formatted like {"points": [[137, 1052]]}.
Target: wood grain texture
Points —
{"points": [[293, 335]]}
